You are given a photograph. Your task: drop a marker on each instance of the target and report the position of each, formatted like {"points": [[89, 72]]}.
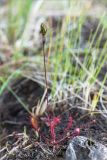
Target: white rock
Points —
{"points": [[83, 148]]}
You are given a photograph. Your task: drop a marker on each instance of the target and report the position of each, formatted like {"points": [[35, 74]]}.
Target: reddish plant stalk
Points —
{"points": [[45, 70]]}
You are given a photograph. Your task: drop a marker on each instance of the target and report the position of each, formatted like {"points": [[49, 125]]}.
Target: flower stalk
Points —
{"points": [[43, 31]]}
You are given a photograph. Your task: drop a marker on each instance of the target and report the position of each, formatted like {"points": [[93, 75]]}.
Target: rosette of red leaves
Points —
{"points": [[53, 122]]}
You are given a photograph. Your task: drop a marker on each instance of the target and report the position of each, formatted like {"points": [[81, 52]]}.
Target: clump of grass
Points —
{"points": [[67, 60]]}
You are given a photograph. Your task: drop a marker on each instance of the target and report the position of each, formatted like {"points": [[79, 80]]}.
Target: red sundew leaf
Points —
{"points": [[53, 124], [69, 125], [76, 132], [56, 120], [48, 121], [52, 131]]}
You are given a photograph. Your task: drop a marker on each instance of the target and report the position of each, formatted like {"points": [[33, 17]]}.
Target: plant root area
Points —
{"points": [[44, 137]]}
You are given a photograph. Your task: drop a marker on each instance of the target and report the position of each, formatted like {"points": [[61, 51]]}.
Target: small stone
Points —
{"points": [[83, 148]]}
